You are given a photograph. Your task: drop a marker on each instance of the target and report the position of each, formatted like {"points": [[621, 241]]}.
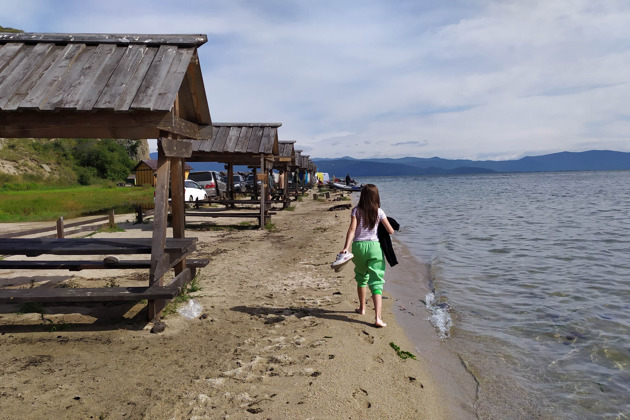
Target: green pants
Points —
{"points": [[369, 265]]}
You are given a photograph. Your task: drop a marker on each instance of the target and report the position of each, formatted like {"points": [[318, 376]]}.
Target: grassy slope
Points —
{"points": [[24, 206]]}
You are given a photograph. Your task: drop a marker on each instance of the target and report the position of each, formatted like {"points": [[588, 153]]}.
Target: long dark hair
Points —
{"points": [[369, 203]]}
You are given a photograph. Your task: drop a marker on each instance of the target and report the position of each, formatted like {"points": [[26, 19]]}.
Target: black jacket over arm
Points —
{"points": [[386, 241]]}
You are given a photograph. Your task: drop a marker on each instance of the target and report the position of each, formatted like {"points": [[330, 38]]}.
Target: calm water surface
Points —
{"points": [[531, 274]]}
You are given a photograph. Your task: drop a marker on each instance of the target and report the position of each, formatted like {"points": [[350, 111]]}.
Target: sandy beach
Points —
{"points": [[278, 339]]}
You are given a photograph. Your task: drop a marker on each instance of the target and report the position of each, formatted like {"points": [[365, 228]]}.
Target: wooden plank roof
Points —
{"points": [[238, 143], [286, 152], [101, 85]]}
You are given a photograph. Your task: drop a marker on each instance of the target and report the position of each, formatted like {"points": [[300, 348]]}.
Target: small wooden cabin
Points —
{"points": [[145, 172]]}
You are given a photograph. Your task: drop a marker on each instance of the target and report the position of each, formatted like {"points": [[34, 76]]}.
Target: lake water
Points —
{"points": [[531, 280]]}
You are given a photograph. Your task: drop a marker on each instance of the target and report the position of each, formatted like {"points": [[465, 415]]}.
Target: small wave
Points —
{"points": [[440, 318]]}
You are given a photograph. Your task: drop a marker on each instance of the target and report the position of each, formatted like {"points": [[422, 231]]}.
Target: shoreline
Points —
{"points": [[280, 339], [408, 283]]}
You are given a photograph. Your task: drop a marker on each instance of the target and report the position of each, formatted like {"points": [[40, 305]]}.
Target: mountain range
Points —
{"points": [[594, 160]]}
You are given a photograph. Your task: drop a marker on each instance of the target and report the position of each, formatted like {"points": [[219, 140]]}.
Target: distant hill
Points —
{"points": [[594, 160]]}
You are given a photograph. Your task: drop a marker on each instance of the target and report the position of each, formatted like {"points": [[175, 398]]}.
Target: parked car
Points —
{"points": [[239, 184], [249, 182], [209, 180], [194, 191]]}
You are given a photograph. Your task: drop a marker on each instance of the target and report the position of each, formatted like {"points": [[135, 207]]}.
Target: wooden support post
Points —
{"points": [[255, 186], [139, 215], [263, 197], [230, 186], [111, 221], [178, 216], [285, 188], [60, 232], [159, 260]]}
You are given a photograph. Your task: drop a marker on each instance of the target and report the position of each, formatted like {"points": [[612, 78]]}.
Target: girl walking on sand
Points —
{"points": [[368, 258]]}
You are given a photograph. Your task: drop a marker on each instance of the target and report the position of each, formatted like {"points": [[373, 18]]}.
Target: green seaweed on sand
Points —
{"points": [[401, 353]]}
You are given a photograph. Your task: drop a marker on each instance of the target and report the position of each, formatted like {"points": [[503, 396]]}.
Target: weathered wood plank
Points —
{"points": [[220, 138], [30, 79], [53, 75], [230, 143], [244, 124], [180, 40], [266, 141], [92, 91], [177, 196], [243, 140], [106, 124], [194, 79], [137, 79], [226, 214], [83, 83], [149, 89], [127, 76], [73, 77], [7, 53], [176, 148], [180, 280], [90, 246], [179, 127], [11, 77], [254, 140], [158, 242], [167, 91], [99, 294]]}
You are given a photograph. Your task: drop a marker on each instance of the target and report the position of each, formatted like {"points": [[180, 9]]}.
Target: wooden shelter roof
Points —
{"points": [[297, 162], [101, 86], [286, 152], [237, 143]]}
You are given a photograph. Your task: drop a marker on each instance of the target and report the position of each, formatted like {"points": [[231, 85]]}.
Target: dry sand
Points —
{"points": [[280, 339]]}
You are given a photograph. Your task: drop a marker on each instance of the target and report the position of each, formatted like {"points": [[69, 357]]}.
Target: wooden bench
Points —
{"points": [[176, 250], [96, 294], [78, 265]]}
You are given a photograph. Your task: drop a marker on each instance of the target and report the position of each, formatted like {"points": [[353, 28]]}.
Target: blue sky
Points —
{"points": [[386, 78]]}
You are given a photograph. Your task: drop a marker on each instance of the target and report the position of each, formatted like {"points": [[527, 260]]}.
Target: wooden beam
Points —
{"points": [[85, 124], [180, 40], [179, 127], [176, 148]]}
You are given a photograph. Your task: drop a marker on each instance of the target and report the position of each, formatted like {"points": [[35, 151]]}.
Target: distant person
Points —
{"points": [[348, 179], [368, 257]]}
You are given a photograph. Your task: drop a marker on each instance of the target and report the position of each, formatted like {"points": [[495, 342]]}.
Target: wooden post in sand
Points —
{"points": [[263, 198], [60, 232]]}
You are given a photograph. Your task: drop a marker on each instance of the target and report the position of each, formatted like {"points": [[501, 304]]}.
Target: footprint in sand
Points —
{"points": [[361, 397], [367, 337]]}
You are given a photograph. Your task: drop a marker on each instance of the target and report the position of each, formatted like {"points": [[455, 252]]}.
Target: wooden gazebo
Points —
{"points": [[109, 86], [249, 144]]}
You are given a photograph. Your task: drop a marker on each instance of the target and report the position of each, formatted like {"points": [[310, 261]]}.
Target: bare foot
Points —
{"points": [[359, 311], [379, 323]]}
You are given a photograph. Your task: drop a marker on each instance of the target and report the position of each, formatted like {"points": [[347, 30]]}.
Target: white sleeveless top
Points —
{"points": [[362, 232]]}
